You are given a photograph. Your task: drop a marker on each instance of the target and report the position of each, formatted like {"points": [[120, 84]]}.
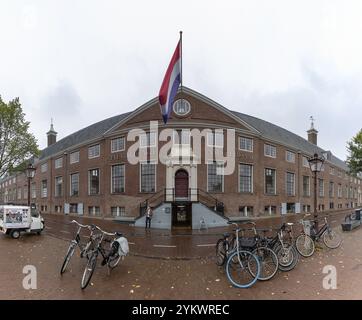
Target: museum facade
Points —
{"points": [[98, 170]]}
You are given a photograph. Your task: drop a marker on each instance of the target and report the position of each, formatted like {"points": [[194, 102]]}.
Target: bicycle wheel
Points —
{"points": [[295, 259], [220, 252], [67, 257], [239, 273], [268, 263], [113, 261], [332, 239], [305, 245], [89, 269], [285, 255]]}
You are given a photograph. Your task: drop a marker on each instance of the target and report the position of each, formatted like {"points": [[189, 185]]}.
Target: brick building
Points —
{"points": [[89, 173]]}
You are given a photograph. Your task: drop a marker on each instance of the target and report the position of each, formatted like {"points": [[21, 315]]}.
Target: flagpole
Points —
{"points": [[181, 59]]}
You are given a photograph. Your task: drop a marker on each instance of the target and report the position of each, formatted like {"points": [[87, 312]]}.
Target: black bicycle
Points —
{"points": [[111, 256], [76, 242]]}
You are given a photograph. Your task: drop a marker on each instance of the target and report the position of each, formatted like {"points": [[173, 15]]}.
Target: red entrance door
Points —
{"points": [[181, 184]]}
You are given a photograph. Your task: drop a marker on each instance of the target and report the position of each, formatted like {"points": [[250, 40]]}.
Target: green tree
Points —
{"points": [[17, 144], [354, 148]]}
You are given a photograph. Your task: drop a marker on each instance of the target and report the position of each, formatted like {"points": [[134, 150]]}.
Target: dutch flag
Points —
{"points": [[170, 84]]}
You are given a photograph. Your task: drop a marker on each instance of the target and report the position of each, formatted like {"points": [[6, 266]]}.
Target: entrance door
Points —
{"points": [[181, 184], [181, 215]]}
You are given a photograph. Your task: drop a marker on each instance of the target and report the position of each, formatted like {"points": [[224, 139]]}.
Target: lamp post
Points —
{"points": [[316, 165], [30, 173]]}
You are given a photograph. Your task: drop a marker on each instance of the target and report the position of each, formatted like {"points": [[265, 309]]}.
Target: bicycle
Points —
{"points": [[305, 242], [111, 257], [284, 249], [77, 242], [239, 263]]}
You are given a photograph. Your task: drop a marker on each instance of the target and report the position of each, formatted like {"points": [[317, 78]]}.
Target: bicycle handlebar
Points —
{"points": [[80, 225], [105, 232]]}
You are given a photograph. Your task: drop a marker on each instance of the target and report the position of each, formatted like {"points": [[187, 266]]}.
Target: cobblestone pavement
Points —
{"points": [[138, 277]]}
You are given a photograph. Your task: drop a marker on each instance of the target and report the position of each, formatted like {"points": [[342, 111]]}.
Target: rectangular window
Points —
{"points": [[148, 139], [94, 211], [306, 186], [339, 190], [215, 139], [306, 208], [270, 151], [19, 193], [94, 151], [148, 177], [246, 144], [290, 184], [58, 163], [74, 157], [93, 181], [305, 162], [290, 207], [290, 156], [331, 171], [44, 189], [270, 210], [246, 178], [270, 181], [58, 186], [74, 185], [73, 207], [44, 167], [246, 211], [331, 205], [331, 189], [181, 137], [215, 181], [33, 190], [118, 178], [58, 209], [321, 187], [118, 212], [117, 144], [25, 192]]}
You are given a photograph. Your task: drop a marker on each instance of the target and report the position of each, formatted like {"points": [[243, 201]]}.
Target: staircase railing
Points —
{"points": [[153, 201], [210, 201]]}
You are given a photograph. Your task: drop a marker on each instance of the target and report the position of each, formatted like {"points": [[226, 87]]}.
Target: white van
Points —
{"points": [[17, 219]]}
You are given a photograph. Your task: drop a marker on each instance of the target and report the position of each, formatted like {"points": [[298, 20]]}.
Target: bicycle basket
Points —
{"points": [[247, 242], [307, 226], [123, 246]]}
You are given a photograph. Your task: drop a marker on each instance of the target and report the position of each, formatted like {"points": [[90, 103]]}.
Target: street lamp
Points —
{"points": [[316, 165], [30, 173]]}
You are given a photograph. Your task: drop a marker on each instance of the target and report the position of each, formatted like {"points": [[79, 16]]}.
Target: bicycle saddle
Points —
{"points": [[226, 235], [119, 234]]}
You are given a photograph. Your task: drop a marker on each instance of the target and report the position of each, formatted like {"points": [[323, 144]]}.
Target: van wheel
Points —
{"points": [[39, 233], [15, 234]]}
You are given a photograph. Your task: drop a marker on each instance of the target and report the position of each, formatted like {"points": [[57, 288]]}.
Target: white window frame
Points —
{"points": [[96, 147], [211, 135], [71, 157], [42, 166], [149, 143], [309, 180], [140, 176], [55, 186], [252, 177], [270, 147], [99, 183], [124, 178], [290, 153], [183, 132], [275, 182], [246, 138], [286, 183], [207, 176], [113, 150], [58, 163], [70, 184]]}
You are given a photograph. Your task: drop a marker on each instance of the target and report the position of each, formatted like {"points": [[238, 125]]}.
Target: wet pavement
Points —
{"points": [[168, 276]]}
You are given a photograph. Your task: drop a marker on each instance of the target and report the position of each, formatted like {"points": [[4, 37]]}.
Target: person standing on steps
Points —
{"points": [[149, 214]]}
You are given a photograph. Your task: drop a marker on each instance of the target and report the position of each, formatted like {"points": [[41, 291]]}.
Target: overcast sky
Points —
{"points": [[283, 61]]}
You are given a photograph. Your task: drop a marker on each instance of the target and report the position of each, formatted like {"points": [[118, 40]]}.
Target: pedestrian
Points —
{"points": [[149, 214]]}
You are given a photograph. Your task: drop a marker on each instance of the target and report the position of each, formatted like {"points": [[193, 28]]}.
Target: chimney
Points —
{"points": [[52, 135], [312, 133]]}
